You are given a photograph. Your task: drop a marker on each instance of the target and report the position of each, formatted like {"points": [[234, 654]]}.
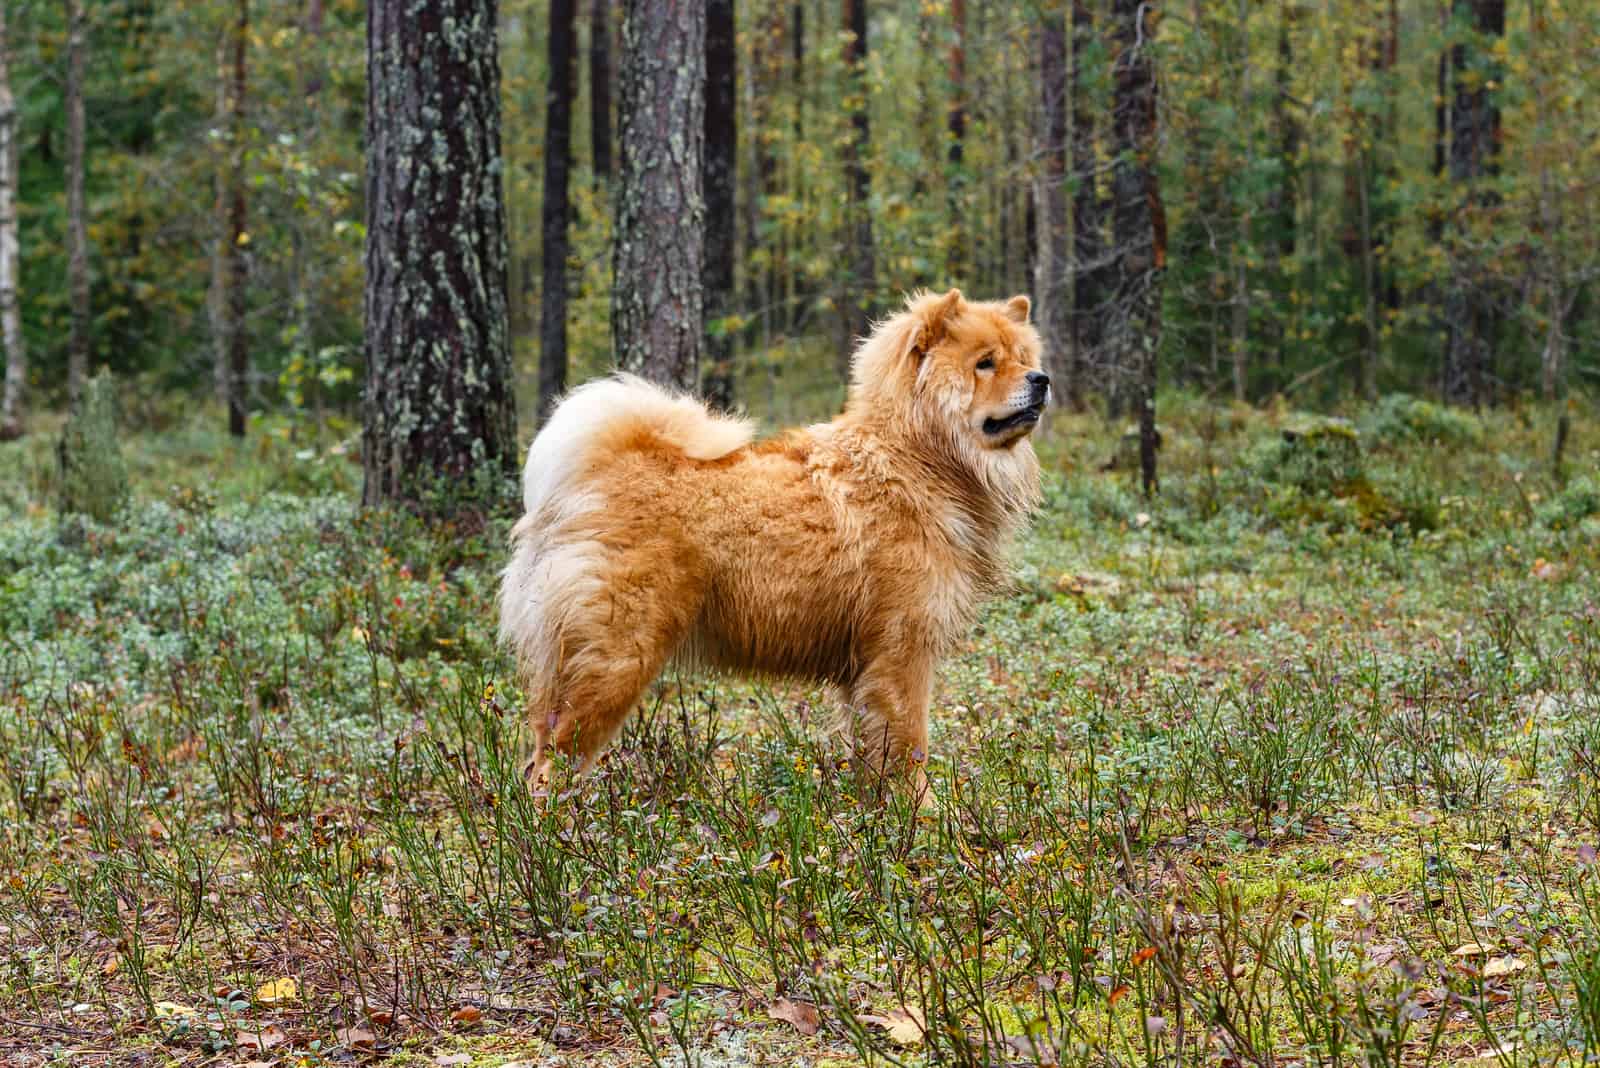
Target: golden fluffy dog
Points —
{"points": [[853, 553]]}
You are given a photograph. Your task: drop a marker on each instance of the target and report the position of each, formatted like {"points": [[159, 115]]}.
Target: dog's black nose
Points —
{"points": [[1038, 380]]}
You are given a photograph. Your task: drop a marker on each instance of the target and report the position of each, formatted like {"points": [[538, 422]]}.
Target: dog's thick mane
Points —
{"points": [[888, 379]]}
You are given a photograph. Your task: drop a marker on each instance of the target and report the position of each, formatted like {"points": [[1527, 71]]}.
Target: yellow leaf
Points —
{"points": [[275, 991], [905, 1026], [1507, 965], [1471, 949]]}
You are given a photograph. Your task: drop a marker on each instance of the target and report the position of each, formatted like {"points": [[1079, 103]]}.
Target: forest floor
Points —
{"points": [[1298, 763]]}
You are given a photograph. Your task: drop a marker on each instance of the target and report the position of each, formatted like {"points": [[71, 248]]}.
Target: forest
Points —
{"points": [[1280, 745], [1355, 198]]}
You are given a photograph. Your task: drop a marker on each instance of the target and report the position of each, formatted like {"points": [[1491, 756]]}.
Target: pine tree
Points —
{"points": [[440, 412], [556, 208], [721, 171], [657, 293]]}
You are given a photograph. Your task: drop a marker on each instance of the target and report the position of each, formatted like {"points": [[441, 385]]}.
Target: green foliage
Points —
{"points": [[94, 480], [1574, 503], [1399, 419], [1324, 457]]}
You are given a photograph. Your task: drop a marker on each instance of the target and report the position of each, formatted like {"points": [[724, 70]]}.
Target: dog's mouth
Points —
{"points": [[1022, 417]]}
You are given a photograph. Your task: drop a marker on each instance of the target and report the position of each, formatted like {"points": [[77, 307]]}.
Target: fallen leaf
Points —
{"points": [[1143, 955], [905, 1026], [1507, 965], [467, 1015], [802, 1015], [263, 1040], [1119, 993], [109, 968], [356, 1037], [276, 991], [450, 1060], [1471, 949], [168, 1010]]}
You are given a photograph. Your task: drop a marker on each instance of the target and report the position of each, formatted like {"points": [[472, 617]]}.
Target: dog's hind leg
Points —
{"points": [[613, 647]]}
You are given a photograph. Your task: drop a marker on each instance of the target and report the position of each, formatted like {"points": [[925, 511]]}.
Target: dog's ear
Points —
{"points": [[1017, 308], [930, 317]]}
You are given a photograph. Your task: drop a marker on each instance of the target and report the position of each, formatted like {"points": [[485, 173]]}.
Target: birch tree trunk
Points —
{"points": [[16, 381], [440, 414], [657, 294]]}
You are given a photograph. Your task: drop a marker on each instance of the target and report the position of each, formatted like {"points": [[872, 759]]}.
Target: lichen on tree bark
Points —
{"points": [[440, 412]]}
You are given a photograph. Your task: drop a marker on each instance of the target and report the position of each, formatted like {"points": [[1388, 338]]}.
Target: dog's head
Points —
{"points": [[962, 376], [967, 367]]}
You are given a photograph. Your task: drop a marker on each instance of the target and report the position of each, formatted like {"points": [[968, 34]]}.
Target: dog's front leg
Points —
{"points": [[890, 725]]}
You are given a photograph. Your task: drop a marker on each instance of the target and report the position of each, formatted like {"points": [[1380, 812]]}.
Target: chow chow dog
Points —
{"points": [[853, 553]]}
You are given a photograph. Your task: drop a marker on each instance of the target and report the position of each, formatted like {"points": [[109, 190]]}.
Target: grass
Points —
{"points": [[1267, 771]]}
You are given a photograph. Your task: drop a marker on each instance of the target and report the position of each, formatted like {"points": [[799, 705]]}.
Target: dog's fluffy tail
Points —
{"points": [[556, 551]]}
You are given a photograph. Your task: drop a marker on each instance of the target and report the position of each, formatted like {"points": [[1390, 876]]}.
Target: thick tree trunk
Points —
{"points": [[657, 296], [16, 382], [1088, 236], [439, 408], [1139, 221], [1054, 249], [600, 87], [861, 270], [1474, 144], [721, 171], [78, 340], [556, 208]]}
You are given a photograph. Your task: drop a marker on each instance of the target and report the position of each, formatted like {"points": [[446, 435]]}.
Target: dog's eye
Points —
{"points": [[986, 364]]}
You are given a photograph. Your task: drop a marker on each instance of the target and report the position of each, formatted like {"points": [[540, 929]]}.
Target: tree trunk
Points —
{"points": [[1088, 237], [1053, 252], [16, 383], [1139, 221], [657, 295], [959, 257], [228, 273], [556, 208], [78, 341], [600, 87], [861, 270], [440, 414], [1474, 144], [721, 171], [1282, 199]]}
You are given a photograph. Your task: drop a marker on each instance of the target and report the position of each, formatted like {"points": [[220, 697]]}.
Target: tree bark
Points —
{"points": [[16, 381], [1054, 246], [556, 209], [1139, 220], [857, 302], [78, 341], [721, 171], [657, 295], [1088, 236], [439, 409], [959, 257], [600, 87], [230, 299], [1474, 145]]}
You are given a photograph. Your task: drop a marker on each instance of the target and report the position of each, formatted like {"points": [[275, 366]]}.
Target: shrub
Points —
{"points": [[1322, 458], [1567, 509], [1400, 418]]}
